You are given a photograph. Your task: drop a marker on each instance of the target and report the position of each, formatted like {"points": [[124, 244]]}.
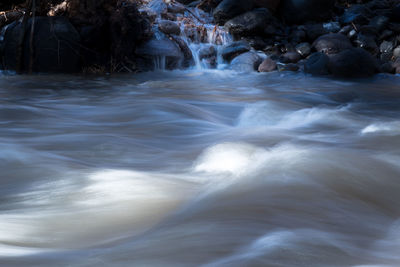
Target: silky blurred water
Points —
{"points": [[193, 168]]}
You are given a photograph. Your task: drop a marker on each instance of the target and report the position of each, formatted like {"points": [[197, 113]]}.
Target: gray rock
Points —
{"points": [[247, 62], [396, 52], [267, 65], [317, 64], [304, 49], [234, 49], [169, 27], [353, 63], [386, 47], [332, 43], [332, 26]]}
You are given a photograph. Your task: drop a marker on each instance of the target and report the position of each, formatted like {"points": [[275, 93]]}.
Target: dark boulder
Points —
{"points": [[247, 62], [317, 64], [56, 46], [301, 11], [353, 63], [250, 23], [234, 49], [332, 43], [169, 27], [228, 9]]}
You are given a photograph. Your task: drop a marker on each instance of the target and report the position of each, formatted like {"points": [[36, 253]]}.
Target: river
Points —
{"points": [[199, 168]]}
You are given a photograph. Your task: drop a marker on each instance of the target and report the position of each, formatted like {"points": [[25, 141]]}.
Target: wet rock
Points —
{"points": [[346, 29], [302, 11], [290, 57], [396, 52], [234, 49], [332, 27], [317, 64], [228, 9], [176, 8], [267, 65], [357, 14], [56, 46], [169, 27], [246, 62], [332, 43], [353, 63], [158, 6], [249, 23], [159, 49], [287, 67], [352, 34], [386, 47], [188, 60], [367, 42], [304, 49], [207, 52]]}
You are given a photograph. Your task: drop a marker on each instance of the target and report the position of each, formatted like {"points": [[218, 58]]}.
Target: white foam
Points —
{"points": [[389, 128]]}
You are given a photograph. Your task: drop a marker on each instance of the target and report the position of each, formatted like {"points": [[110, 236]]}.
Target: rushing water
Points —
{"points": [[199, 169]]}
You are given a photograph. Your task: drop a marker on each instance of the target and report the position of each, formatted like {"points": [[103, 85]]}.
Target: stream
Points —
{"points": [[199, 168]]}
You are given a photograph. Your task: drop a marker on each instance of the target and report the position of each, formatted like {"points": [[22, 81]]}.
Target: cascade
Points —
{"points": [[200, 41]]}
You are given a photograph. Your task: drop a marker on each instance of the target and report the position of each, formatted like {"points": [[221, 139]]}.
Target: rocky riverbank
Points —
{"points": [[321, 37]]}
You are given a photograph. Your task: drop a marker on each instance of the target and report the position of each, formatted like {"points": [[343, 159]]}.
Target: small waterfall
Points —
{"points": [[197, 31]]}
